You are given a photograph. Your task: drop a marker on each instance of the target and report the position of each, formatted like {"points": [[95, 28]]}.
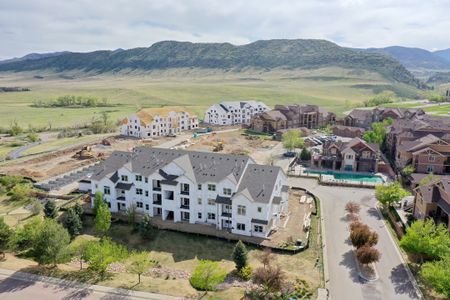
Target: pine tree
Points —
{"points": [[72, 222], [240, 255], [50, 209]]}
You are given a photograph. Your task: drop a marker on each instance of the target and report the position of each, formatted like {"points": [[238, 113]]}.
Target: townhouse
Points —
{"points": [[365, 117], [229, 192], [155, 122], [432, 200], [347, 131], [233, 112], [355, 155], [292, 116]]}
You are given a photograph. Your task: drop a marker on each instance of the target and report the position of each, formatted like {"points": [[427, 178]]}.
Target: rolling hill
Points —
{"points": [[416, 58], [264, 54]]}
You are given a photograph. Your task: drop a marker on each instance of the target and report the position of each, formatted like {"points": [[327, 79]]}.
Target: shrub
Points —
{"points": [[207, 275], [367, 255], [352, 207], [245, 273], [50, 209], [146, 229], [361, 235], [6, 234]]}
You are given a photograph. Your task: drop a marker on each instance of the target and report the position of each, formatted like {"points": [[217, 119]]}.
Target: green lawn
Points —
{"points": [[334, 88], [438, 109]]}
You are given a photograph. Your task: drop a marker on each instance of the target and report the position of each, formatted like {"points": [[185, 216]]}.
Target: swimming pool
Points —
{"points": [[357, 177]]}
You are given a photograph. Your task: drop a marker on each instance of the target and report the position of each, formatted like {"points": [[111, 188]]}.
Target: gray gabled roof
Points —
{"points": [[114, 162], [259, 181]]}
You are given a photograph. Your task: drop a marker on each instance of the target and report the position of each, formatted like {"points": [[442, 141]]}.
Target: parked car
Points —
{"points": [[289, 154]]}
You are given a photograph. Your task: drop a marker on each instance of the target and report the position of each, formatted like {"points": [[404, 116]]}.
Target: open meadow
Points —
{"points": [[335, 89]]}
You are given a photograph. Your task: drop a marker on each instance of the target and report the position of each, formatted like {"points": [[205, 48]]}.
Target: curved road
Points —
{"points": [[395, 280], [17, 153]]}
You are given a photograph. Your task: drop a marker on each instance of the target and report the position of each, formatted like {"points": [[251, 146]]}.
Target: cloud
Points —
{"points": [[82, 25]]}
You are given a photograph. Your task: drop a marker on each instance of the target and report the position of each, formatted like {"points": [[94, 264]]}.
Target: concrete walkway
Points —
{"points": [[341, 273], [19, 285]]}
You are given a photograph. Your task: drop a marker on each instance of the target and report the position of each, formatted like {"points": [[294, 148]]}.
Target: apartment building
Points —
{"points": [[236, 112], [229, 192], [365, 117], [355, 155], [292, 116], [155, 122]]}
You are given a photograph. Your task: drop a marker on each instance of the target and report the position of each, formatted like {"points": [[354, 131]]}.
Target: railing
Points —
{"points": [[184, 192], [121, 198], [157, 202], [157, 189], [183, 206], [226, 214]]}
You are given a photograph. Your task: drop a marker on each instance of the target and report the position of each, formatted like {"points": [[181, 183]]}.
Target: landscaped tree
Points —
{"points": [[36, 207], [25, 236], [362, 236], [367, 255], [72, 222], [79, 209], [103, 219], [20, 192], [6, 234], [291, 139], [426, 240], [437, 274], [408, 170], [131, 214], [146, 229], [352, 207], [51, 243], [98, 200], [50, 209], [240, 255], [429, 179], [378, 133], [99, 254], [139, 263], [9, 181], [207, 275], [78, 249], [390, 194], [305, 155]]}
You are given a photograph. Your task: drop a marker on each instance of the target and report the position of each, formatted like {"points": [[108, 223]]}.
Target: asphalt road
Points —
{"points": [[344, 282], [14, 286]]}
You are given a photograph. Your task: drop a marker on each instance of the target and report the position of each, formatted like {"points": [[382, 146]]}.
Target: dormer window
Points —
{"points": [[124, 178]]}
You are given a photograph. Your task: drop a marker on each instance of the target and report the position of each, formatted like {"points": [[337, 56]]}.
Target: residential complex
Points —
{"points": [[365, 117], [432, 200], [347, 131], [231, 113], [292, 116], [355, 155], [230, 192], [155, 122]]}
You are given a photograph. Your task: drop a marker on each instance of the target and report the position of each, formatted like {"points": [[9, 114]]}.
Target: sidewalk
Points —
{"points": [[114, 292]]}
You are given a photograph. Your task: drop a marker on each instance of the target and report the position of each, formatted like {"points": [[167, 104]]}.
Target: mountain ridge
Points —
{"points": [[263, 54]]}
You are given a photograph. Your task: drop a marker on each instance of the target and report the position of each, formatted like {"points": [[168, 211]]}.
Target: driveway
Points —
{"points": [[17, 285], [344, 282]]}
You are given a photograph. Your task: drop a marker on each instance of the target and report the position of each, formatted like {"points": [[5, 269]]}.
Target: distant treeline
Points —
{"points": [[73, 101]]}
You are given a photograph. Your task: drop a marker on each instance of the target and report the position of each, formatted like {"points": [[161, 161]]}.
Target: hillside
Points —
{"points": [[266, 55], [415, 58], [33, 56], [445, 54]]}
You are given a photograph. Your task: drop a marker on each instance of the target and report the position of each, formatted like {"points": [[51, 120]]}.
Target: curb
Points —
{"points": [[405, 265], [360, 273], [91, 288], [326, 274]]}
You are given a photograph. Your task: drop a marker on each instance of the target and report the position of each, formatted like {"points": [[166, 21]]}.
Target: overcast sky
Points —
{"points": [[86, 25]]}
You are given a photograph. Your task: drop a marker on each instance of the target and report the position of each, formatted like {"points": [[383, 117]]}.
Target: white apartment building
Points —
{"points": [[230, 113], [155, 122], [229, 192]]}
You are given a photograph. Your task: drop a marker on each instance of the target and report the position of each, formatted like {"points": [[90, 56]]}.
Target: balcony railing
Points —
{"points": [[157, 202], [184, 192], [121, 198], [157, 189], [184, 206], [226, 214]]}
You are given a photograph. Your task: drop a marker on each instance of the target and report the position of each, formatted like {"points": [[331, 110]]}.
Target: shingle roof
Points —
{"points": [[259, 181], [360, 113], [124, 186], [114, 162]]}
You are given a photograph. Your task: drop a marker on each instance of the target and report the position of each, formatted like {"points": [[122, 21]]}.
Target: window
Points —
{"points": [[147, 207], [431, 158], [199, 215], [109, 204], [212, 187], [124, 178], [146, 193], [138, 191], [139, 204], [146, 180], [430, 169], [349, 156], [211, 202], [227, 192], [138, 178], [106, 190], [211, 216], [241, 210], [199, 201], [259, 209], [240, 226], [258, 228], [199, 187]]}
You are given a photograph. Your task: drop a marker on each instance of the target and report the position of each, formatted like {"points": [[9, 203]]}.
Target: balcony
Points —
{"points": [[156, 189], [121, 198], [184, 206], [226, 214], [185, 192], [157, 202]]}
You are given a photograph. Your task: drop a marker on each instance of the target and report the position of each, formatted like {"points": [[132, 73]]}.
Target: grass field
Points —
{"points": [[336, 89]]}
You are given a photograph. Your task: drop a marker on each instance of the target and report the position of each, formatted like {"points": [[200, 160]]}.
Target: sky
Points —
{"points": [[87, 25]]}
